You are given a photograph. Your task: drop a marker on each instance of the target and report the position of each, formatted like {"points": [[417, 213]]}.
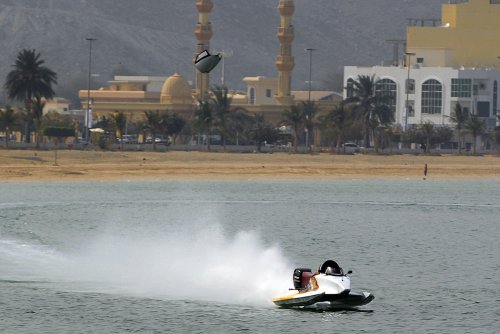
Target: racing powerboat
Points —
{"points": [[328, 288]]}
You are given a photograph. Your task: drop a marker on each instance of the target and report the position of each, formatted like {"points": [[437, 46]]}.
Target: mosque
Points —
{"points": [[272, 96]]}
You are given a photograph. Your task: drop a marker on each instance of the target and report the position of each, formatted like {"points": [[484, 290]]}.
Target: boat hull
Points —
{"points": [[347, 300]]}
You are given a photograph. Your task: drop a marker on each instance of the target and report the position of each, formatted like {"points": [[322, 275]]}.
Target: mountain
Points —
{"points": [[156, 37]]}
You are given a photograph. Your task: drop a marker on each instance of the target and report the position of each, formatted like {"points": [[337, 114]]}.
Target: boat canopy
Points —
{"points": [[331, 267]]}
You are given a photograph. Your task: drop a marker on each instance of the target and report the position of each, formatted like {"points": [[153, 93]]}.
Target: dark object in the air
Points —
{"points": [[205, 62]]}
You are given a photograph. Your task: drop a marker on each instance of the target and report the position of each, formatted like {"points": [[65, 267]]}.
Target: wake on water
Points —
{"points": [[205, 265]]}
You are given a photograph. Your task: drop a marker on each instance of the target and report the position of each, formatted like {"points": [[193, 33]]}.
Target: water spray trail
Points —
{"points": [[206, 265]]}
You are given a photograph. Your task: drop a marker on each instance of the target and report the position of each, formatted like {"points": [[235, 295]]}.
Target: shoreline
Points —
{"points": [[31, 165]]}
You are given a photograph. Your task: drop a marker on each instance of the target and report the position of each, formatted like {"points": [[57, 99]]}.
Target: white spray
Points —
{"points": [[204, 265]]}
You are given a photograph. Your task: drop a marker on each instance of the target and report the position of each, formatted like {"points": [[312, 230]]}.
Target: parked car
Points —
{"points": [[128, 139], [350, 148]]}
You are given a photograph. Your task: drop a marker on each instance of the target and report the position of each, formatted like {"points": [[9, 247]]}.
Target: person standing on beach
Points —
{"points": [[425, 171]]}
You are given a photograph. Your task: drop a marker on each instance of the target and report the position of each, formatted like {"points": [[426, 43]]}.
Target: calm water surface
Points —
{"points": [[206, 257]]}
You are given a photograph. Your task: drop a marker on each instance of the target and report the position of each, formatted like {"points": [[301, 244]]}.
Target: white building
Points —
{"points": [[434, 91]]}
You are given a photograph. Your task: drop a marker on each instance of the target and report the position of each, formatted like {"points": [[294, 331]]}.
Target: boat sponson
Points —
{"points": [[299, 301], [344, 300]]}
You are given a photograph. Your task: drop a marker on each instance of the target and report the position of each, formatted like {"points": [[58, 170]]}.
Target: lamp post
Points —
{"points": [[308, 115], [87, 112], [496, 107], [310, 71], [225, 54], [407, 104]]}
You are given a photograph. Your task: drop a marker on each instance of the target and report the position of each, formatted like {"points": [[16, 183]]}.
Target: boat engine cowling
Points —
{"points": [[301, 278]]}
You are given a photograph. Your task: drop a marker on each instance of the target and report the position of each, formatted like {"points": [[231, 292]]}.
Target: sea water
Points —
{"points": [[207, 256]]}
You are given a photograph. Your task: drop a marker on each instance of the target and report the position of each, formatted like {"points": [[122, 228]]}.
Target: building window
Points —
{"points": [[483, 109], [461, 87], [410, 86], [350, 88], [432, 97], [495, 97], [388, 88], [251, 96], [268, 93]]}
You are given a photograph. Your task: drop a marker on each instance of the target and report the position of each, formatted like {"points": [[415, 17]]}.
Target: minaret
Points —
{"points": [[203, 33], [285, 62]]}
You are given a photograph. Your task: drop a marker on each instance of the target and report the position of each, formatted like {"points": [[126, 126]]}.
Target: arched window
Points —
{"points": [[432, 97], [350, 88], [387, 87], [495, 98], [251, 96]]}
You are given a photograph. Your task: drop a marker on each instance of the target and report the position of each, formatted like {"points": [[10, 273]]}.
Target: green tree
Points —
{"points": [[476, 127], [120, 120], [102, 137], [370, 106], [221, 103], [153, 124], [240, 120], [309, 110], [28, 80], [173, 125], [37, 116], [8, 120], [339, 118], [204, 120], [262, 132], [383, 116], [428, 131], [295, 119], [460, 116]]}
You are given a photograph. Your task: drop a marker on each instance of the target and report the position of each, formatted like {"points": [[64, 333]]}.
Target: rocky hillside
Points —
{"points": [[155, 37]]}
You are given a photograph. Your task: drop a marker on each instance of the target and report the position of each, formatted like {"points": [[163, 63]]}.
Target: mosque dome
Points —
{"points": [[176, 90]]}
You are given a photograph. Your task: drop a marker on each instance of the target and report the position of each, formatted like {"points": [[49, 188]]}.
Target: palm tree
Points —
{"points": [[475, 126], [239, 121], [371, 106], [8, 119], [204, 119], [37, 116], [428, 131], [309, 110], [339, 119], [29, 79], [262, 132], [153, 124], [222, 108], [173, 125], [294, 118], [460, 116], [120, 120]]}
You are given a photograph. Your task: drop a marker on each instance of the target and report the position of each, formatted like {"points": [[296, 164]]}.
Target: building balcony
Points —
{"points": [[424, 22], [286, 35], [286, 7], [285, 63], [203, 32], [204, 6]]}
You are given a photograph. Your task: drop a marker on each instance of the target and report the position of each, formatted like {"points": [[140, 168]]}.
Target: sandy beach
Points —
{"points": [[29, 165]]}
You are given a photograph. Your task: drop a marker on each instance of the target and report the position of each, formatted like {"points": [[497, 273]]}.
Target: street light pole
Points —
{"points": [[308, 116], [87, 112], [496, 107], [407, 104], [310, 71]]}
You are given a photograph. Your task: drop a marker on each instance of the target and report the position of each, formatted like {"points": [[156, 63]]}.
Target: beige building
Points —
{"points": [[271, 96], [57, 104], [135, 94], [468, 36], [451, 61]]}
